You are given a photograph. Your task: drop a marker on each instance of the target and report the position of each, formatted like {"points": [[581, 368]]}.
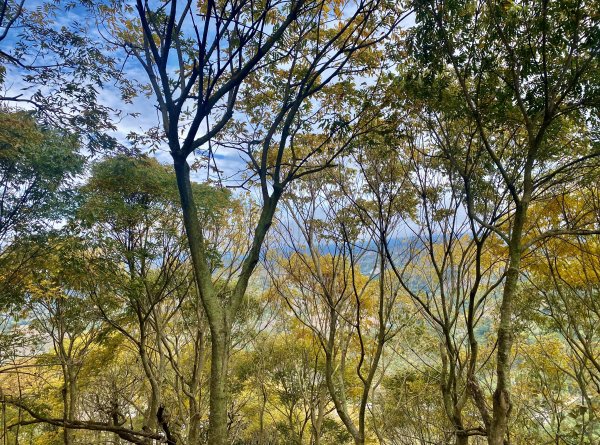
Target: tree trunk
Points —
{"points": [[318, 422], [72, 399], [216, 314], [150, 421], [219, 312], [69, 398], [501, 400], [217, 428], [195, 394], [339, 400], [261, 414]]}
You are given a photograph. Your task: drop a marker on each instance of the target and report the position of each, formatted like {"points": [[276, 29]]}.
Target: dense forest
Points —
{"points": [[300, 222]]}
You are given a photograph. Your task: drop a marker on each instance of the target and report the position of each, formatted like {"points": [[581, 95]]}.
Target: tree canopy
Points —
{"points": [[303, 222]]}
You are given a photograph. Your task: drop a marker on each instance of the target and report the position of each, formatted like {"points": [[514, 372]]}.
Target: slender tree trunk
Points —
{"points": [[195, 394], [453, 405], [317, 421], [151, 422], [501, 401], [339, 400], [68, 395], [218, 388], [373, 366], [217, 321], [261, 414], [71, 374], [194, 432]]}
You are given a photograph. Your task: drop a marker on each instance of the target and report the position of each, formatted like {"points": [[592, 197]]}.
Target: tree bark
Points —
{"points": [[217, 433], [217, 429], [501, 401], [195, 394]]}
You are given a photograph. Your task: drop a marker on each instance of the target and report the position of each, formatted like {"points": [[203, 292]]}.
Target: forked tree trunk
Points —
{"points": [[218, 312], [194, 393]]}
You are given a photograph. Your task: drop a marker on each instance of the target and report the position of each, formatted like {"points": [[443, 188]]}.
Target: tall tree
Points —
{"points": [[528, 93], [449, 270], [196, 60], [140, 270], [37, 170], [328, 242], [57, 303]]}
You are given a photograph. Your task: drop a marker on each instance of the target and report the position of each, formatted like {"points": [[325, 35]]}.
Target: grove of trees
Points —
{"points": [[304, 222]]}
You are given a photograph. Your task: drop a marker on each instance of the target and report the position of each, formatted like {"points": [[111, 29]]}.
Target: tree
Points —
{"points": [[196, 63], [284, 375], [58, 306], [327, 249], [560, 298], [128, 259], [37, 166], [450, 269], [148, 293], [524, 101]]}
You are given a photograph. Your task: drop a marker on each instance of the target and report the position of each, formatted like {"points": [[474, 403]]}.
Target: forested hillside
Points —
{"points": [[300, 222]]}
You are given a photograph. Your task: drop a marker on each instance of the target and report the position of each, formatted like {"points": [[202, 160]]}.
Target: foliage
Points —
{"points": [[367, 234]]}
